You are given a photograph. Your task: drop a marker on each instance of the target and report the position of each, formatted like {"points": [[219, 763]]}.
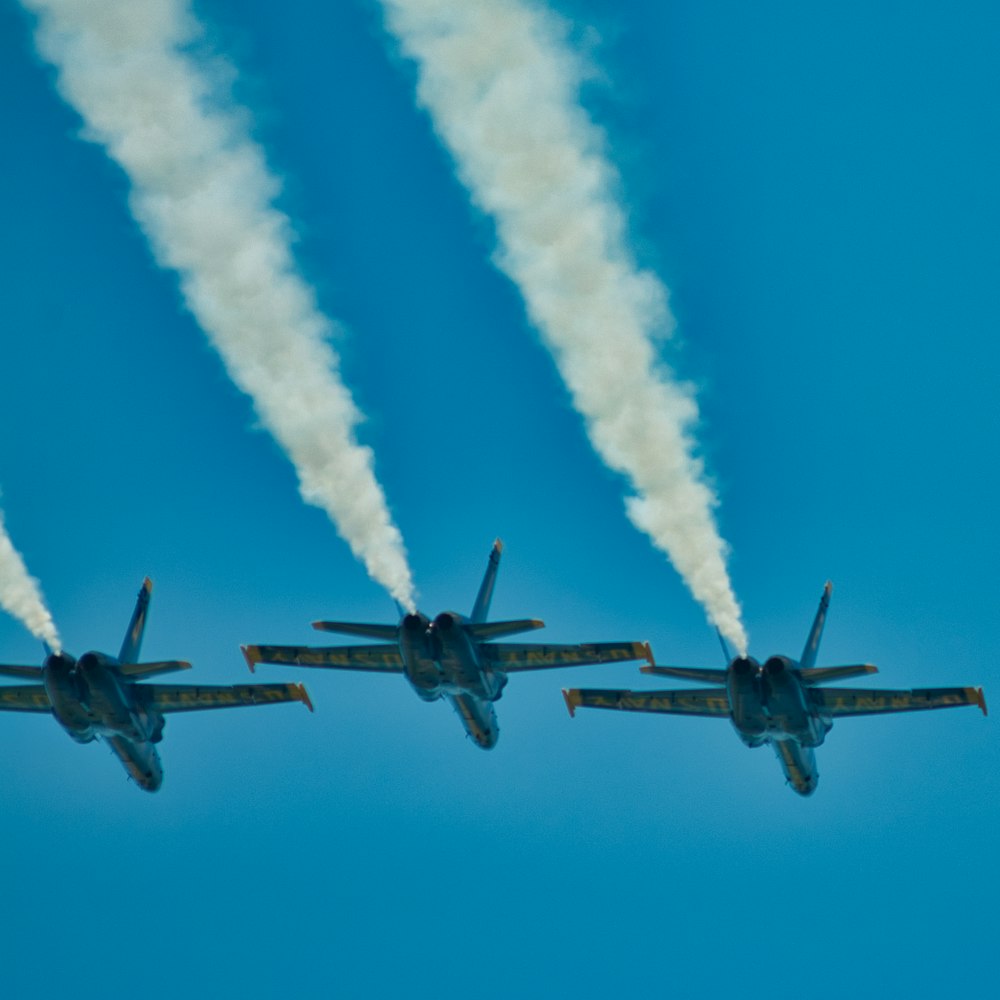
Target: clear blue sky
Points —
{"points": [[818, 190]]}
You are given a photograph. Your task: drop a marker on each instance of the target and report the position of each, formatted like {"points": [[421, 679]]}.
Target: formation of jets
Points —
{"points": [[782, 702]]}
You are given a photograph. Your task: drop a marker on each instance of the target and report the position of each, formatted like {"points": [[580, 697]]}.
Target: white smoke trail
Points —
{"points": [[202, 194], [502, 87], [20, 594]]}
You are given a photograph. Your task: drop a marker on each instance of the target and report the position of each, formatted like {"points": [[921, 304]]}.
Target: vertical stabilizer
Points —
{"points": [[808, 660], [726, 655], [132, 642], [482, 606]]}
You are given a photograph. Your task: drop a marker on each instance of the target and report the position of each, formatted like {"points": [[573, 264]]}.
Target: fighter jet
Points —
{"points": [[450, 657], [98, 697], [781, 702]]}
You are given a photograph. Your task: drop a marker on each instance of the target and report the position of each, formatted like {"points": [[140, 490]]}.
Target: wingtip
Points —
{"points": [[498, 545], [249, 653], [147, 584], [647, 652], [571, 697], [981, 701], [303, 696]]}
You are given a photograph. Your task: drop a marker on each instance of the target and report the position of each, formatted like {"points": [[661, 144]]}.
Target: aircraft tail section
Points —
{"points": [[823, 675], [703, 675], [133, 636], [482, 606], [484, 631], [136, 671], [808, 658], [386, 633]]}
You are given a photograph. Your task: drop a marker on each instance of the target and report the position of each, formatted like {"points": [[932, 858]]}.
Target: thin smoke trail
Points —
{"points": [[20, 594], [203, 195], [502, 88]]}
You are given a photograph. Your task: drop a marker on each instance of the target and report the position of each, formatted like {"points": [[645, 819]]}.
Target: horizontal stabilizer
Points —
{"points": [[24, 698], [12, 670], [838, 702], [511, 657], [710, 702], [703, 675], [496, 630], [135, 670], [387, 633], [381, 658], [192, 697], [823, 675]]}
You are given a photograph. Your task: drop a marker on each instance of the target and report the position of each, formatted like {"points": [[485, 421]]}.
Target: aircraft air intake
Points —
{"points": [[21, 595], [502, 87], [203, 196]]}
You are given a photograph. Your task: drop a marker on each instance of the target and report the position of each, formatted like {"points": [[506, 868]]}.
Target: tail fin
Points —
{"points": [[132, 642], [703, 675], [135, 671], [482, 606], [808, 660], [387, 633], [726, 655], [485, 631], [823, 675]]}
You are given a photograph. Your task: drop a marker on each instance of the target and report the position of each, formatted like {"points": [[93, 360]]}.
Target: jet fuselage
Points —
{"points": [[440, 659], [769, 704], [91, 699]]}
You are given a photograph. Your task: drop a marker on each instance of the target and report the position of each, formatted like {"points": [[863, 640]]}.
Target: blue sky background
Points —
{"points": [[817, 187]]}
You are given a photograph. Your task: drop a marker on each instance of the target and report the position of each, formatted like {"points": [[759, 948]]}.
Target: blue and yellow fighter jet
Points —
{"points": [[450, 657], [98, 697], [781, 702]]}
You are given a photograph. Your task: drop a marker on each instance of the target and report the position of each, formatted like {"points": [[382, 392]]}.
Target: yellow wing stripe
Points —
{"points": [[710, 702], [24, 698], [512, 657], [859, 701], [191, 697]]}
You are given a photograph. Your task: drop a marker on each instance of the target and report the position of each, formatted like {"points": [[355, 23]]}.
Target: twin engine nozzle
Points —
{"points": [[774, 665], [416, 622]]}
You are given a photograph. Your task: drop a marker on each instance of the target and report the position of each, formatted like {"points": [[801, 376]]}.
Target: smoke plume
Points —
{"points": [[502, 87], [20, 594], [203, 195]]}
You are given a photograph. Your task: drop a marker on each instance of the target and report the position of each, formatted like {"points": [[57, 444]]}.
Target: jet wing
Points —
{"points": [[24, 673], [192, 697], [513, 656], [380, 658], [838, 702], [24, 698], [710, 702]]}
